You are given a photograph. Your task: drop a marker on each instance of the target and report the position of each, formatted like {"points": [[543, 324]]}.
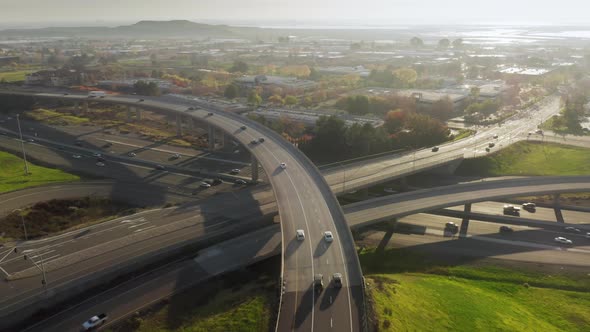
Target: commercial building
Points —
{"points": [[289, 83]]}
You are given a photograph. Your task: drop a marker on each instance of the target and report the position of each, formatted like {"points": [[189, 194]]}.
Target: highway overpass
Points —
{"points": [[304, 201]]}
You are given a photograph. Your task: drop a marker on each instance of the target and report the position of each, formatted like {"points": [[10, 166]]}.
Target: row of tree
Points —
{"points": [[334, 141]]}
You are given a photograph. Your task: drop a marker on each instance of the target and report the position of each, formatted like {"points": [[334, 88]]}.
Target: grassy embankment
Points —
{"points": [[12, 174], [411, 293], [14, 76], [530, 158], [239, 305]]}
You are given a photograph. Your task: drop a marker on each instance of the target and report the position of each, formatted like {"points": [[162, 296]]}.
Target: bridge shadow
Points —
{"points": [[452, 250]]}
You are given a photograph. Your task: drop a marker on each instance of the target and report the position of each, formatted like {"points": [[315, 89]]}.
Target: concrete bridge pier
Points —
{"points": [[211, 137], [178, 125], [84, 107], [465, 222], [254, 165], [391, 226], [191, 124], [129, 114], [557, 208]]}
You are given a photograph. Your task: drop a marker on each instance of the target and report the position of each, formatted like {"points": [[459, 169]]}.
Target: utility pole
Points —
{"points": [[22, 144]]}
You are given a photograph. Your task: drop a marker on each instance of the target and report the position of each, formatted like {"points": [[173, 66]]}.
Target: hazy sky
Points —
{"points": [[108, 12]]}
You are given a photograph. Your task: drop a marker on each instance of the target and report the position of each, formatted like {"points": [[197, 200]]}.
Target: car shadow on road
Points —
{"points": [[305, 306]]}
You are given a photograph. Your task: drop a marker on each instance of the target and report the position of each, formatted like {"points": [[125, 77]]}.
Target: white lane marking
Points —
{"points": [[137, 225], [7, 253], [4, 272], [27, 251], [143, 229], [331, 323], [45, 260], [42, 253]]}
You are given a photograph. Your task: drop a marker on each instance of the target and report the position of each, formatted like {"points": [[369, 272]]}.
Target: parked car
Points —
{"points": [[300, 235], [563, 240], [506, 229], [531, 207]]}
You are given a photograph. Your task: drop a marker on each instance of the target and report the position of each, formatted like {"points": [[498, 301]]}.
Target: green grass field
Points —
{"points": [[55, 118], [242, 310], [14, 76], [418, 294], [530, 158], [12, 174]]}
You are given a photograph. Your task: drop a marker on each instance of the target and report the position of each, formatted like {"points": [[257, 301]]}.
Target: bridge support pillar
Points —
{"points": [[222, 136], [254, 166], [129, 114], [178, 125], [191, 124], [557, 208], [404, 183], [391, 226], [85, 107], [364, 193], [211, 137], [138, 114], [465, 221]]}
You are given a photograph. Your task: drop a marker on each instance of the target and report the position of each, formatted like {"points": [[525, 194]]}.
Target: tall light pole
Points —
{"points": [[22, 144], [23, 221]]}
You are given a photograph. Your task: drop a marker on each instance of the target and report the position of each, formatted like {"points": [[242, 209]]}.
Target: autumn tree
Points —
{"points": [[231, 91], [290, 100]]}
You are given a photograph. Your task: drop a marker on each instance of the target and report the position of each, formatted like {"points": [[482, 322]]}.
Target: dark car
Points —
{"points": [[253, 142], [530, 207], [240, 181], [78, 143], [261, 139], [243, 127], [337, 277], [141, 100], [191, 108], [210, 114], [506, 229], [435, 149], [107, 145], [100, 159], [160, 167], [318, 283], [216, 182]]}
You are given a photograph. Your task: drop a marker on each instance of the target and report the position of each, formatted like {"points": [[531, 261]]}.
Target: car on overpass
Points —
{"points": [[300, 235], [563, 240], [573, 230], [435, 149], [506, 229], [318, 283], [337, 279]]}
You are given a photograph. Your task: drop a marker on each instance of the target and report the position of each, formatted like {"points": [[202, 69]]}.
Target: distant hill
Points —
{"points": [[142, 29]]}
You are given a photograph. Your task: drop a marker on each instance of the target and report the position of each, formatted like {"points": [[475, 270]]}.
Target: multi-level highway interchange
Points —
{"points": [[302, 195]]}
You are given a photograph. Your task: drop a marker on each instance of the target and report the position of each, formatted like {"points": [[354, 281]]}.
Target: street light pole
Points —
{"points": [[44, 281], [22, 144]]}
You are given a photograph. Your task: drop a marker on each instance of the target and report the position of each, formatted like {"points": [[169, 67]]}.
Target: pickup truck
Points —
{"points": [[94, 322]]}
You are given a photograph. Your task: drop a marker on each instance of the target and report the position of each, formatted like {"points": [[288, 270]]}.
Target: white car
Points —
{"points": [[495, 136], [588, 235], [235, 171], [76, 156], [176, 156], [300, 235], [100, 164], [283, 165], [205, 185], [96, 154], [328, 236], [563, 240], [131, 154]]}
